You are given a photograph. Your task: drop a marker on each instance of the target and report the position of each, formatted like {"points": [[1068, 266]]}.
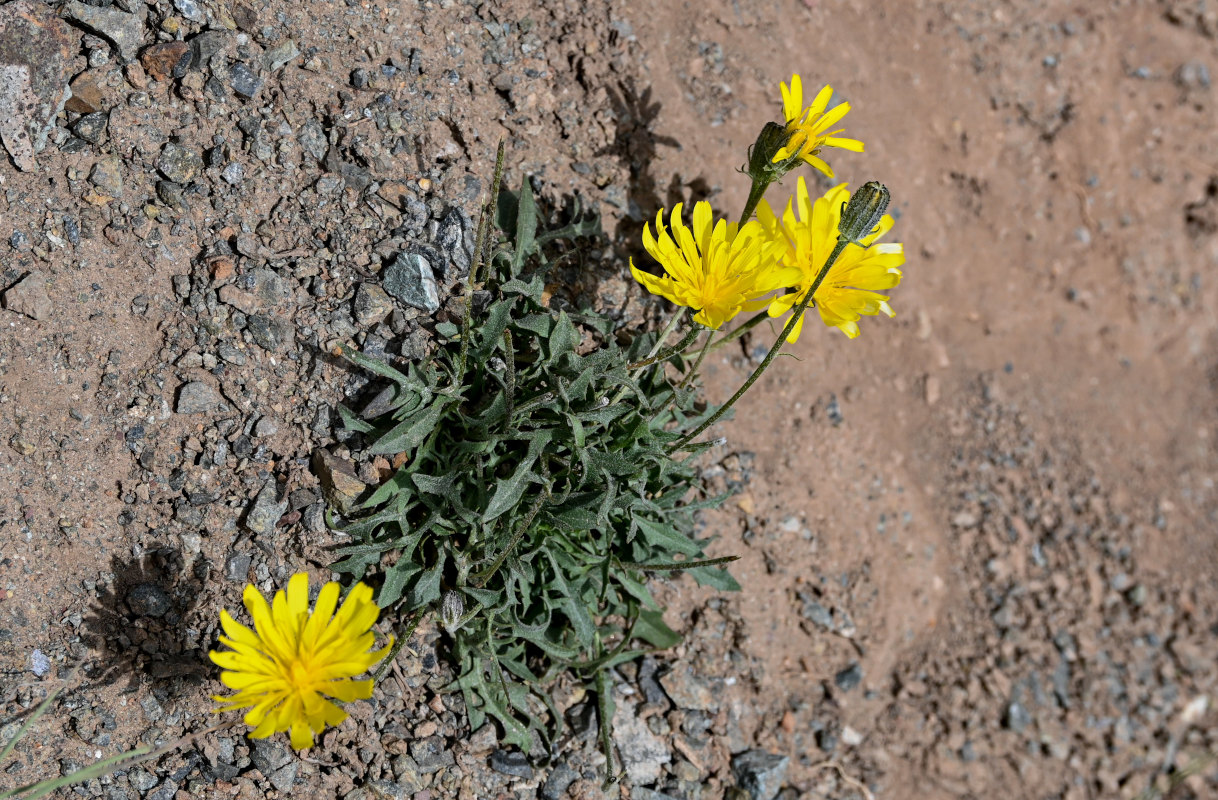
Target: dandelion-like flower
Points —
{"points": [[853, 284], [810, 128], [718, 268], [285, 669]]}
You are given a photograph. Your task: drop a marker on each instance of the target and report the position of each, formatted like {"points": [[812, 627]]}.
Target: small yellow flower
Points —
{"points": [[851, 287], [285, 671], [809, 128], [717, 269]]}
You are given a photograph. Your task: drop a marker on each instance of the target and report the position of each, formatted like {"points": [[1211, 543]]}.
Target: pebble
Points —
{"points": [[243, 80], [39, 664], [431, 754], [643, 754], [107, 175], [197, 398], [371, 305], [125, 31], [511, 762], [272, 333], [167, 60], [688, 690], [849, 678], [266, 509], [179, 164], [560, 779], [312, 138], [29, 297], [190, 9], [278, 56], [89, 93], [237, 567], [760, 773], [90, 127], [148, 600], [233, 174], [450, 237], [410, 279]]}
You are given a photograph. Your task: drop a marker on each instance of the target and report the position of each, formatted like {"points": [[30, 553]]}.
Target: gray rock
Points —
{"points": [[451, 239], [511, 762], [107, 175], [431, 755], [243, 80], [759, 773], [688, 690], [275, 761], [179, 164], [385, 790], [561, 777], [849, 678], [237, 567], [190, 9], [124, 31], [1017, 717], [197, 398], [36, 54], [29, 296], [266, 427], [410, 279], [141, 780], [204, 47], [39, 664], [278, 56], [266, 509], [372, 304], [172, 195], [271, 333], [90, 127], [312, 138], [233, 174], [148, 600], [643, 754]]}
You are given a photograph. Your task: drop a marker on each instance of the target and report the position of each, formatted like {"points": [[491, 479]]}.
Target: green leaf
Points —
{"points": [[426, 588], [667, 538], [573, 605], [564, 338], [652, 629], [508, 492], [410, 433], [376, 365], [396, 578], [716, 578], [526, 226], [449, 330]]}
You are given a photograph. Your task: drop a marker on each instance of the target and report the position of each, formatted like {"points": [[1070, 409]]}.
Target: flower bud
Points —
{"points": [[864, 212], [451, 609], [762, 167]]}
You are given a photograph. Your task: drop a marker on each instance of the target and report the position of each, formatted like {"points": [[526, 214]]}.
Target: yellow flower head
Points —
{"points": [[852, 285], [717, 268], [285, 670], [809, 127]]}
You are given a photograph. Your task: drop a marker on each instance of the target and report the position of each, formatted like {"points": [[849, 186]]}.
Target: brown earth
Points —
{"points": [[977, 543]]}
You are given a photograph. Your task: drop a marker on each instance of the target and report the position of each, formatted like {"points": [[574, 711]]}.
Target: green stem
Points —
{"points": [[404, 634], [689, 376], [732, 336], [770, 356], [670, 352], [486, 222], [756, 192]]}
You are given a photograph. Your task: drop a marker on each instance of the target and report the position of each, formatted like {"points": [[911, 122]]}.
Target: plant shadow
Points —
{"points": [[136, 629]]}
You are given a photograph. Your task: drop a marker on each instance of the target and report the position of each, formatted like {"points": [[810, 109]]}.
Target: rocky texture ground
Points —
{"points": [[977, 544]]}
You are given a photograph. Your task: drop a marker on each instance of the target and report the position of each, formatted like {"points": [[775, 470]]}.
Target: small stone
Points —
{"points": [[89, 92], [271, 333], [410, 279], [431, 754], [338, 479], [643, 754], [39, 664], [90, 127], [759, 773], [107, 175], [278, 56], [266, 427], [372, 304], [1193, 75], [197, 398], [172, 195], [561, 777], [190, 9], [237, 567], [1017, 717], [312, 138], [167, 60], [243, 80], [233, 174], [849, 678], [266, 509], [688, 690], [511, 762], [384, 790], [37, 49], [124, 31], [276, 762], [29, 296], [179, 164], [451, 239], [148, 600]]}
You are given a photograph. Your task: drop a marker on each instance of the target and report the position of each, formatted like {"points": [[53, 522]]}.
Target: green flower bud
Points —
{"points": [[864, 212], [451, 609], [762, 168]]}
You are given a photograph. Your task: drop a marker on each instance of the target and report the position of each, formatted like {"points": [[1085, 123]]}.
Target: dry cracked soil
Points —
{"points": [[977, 544]]}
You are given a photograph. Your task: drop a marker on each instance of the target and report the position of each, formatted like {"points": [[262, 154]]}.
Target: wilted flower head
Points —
{"points": [[285, 669], [809, 127], [718, 268], [851, 287]]}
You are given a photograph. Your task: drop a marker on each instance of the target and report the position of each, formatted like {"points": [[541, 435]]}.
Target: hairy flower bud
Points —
{"points": [[864, 212], [770, 142], [451, 609]]}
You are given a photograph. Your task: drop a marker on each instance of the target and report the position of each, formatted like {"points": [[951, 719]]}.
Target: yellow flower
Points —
{"points": [[852, 285], [809, 127], [285, 671], [717, 269]]}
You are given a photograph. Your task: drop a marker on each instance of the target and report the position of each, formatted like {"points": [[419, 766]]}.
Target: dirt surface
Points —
{"points": [[978, 550]]}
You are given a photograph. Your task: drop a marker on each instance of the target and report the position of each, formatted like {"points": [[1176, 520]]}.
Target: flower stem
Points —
{"points": [[770, 356], [728, 338], [689, 376], [756, 192], [670, 352]]}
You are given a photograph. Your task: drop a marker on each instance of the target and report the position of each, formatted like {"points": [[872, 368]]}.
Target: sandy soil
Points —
{"points": [[978, 549]]}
